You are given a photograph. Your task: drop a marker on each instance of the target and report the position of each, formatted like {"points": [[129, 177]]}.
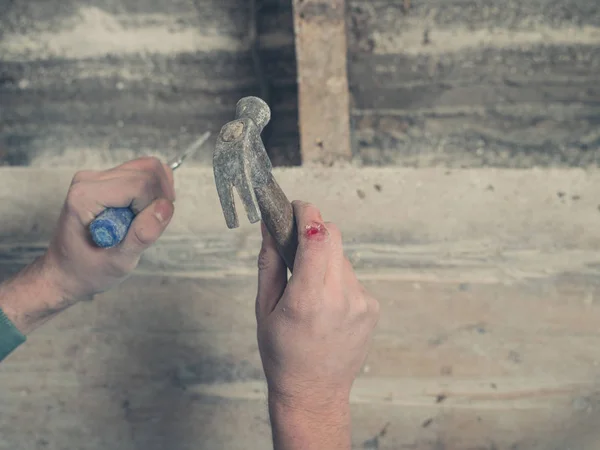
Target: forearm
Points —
{"points": [[298, 428], [30, 298]]}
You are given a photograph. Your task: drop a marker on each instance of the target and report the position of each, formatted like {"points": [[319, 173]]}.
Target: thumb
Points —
{"points": [[272, 276], [148, 226]]}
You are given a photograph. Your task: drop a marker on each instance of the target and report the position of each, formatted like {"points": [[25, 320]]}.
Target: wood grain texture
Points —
{"points": [[323, 97], [407, 206], [488, 339], [469, 83], [442, 83], [88, 82], [169, 360]]}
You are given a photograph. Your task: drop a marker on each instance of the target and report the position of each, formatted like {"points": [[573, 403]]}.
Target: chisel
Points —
{"points": [[110, 227]]}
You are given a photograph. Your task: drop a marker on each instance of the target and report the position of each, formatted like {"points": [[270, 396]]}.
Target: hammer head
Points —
{"points": [[240, 159]]}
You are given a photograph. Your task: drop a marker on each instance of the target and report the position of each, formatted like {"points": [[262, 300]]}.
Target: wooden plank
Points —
{"points": [[488, 339], [475, 353], [476, 14], [153, 357], [321, 54], [455, 83], [154, 417], [408, 207], [469, 112], [467, 84], [124, 79], [215, 255], [406, 224]]}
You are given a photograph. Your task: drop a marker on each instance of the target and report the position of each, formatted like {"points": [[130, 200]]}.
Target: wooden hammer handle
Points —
{"points": [[278, 217]]}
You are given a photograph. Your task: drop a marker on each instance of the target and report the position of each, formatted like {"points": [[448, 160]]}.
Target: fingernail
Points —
{"points": [[163, 211]]}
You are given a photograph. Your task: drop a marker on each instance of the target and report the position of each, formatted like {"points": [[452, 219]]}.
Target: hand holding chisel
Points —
{"points": [[111, 226]]}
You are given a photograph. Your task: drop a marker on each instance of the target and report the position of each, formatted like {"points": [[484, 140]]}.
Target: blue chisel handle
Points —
{"points": [[111, 226]]}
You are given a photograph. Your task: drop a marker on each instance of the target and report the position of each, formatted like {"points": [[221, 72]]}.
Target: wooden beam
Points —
{"points": [[324, 100], [163, 359], [490, 304]]}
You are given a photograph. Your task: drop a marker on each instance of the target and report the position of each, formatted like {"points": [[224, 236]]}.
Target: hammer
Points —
{"points": [[241, 161]]}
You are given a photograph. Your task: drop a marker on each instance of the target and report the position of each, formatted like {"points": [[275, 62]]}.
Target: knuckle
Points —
{"points": [[153, 180], [145, 236], [146, 181], [151, 162], [341, 305], [304, 303], [145, 164], [81, 175], [301, 312], [155, 164], [76, 196], [362, 306]]}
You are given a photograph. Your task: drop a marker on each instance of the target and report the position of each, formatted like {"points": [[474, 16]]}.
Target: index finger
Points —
{"points": [[153, 165], [314, 245]]}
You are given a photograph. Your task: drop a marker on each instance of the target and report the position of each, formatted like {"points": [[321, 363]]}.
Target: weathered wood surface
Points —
{"points": [[472, 83], [450, 82], [323, 97], [484, 225], [489, 336], [168, 363], [83, 82]]}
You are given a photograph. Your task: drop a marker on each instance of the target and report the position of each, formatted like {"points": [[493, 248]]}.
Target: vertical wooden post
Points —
{"points": [[324, 99]]}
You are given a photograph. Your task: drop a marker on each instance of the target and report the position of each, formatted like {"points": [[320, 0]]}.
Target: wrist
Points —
{"points": [[332, 414], [302, 424], [32, 296], [311, 403]]}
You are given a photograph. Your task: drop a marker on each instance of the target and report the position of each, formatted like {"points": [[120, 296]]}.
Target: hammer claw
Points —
{"points": [[246, 193], [240, 160], [225, 192]]}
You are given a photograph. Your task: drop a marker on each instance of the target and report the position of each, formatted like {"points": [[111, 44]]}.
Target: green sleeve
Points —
{"points": [[10, 336]]}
